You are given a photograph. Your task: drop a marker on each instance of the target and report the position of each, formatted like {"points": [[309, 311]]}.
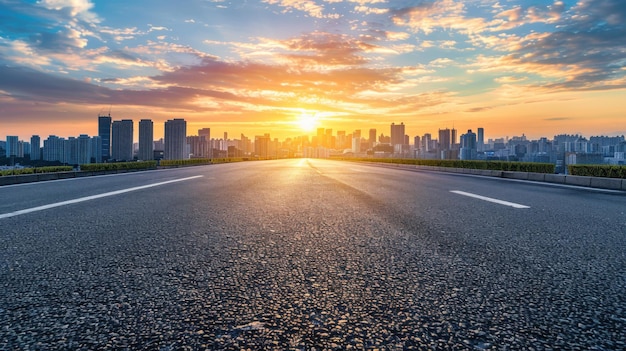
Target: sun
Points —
{"points": [[307, 121]]}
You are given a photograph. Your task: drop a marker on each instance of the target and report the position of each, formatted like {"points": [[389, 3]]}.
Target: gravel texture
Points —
{"points": [[298, 264]]}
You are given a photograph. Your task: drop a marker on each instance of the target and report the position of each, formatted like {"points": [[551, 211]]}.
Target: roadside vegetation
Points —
{"points": [[607, 171], [488, 165]]}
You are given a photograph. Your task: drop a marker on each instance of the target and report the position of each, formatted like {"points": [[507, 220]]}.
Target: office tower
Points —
{"points": [[453, 138], [481, 139], [206, 134], [175, 139], [426, 142], [35, 147], [468, 146], [397, 134], [96, 149], [146, 140], [445, 139], [104, 132], [262, 145], [122, 140], [372, 139], [12, 146]]}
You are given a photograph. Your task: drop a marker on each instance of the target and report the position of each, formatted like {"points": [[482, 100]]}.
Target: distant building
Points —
{"points": [[122, 140], [35, 147], [480, 145], [13, 147], [262, 146], [175, 139], [104, 132], [146, 140], [397, 137], [469, 149]]}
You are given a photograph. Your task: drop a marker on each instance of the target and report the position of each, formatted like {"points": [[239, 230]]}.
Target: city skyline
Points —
{"points": [[288, 67]]}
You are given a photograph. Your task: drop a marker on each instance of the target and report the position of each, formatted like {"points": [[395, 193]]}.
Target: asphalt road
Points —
{"points": [[310, 255]]}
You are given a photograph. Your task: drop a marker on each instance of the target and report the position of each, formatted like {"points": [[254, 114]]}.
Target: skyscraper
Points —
{"points": [[35, 147], [104, 132], [12, 146], [468, 146], [206, 134], [146, 140], [481, 139], [175, 139], [122, 140], [372, 140], [445, 139], [397, 134]]}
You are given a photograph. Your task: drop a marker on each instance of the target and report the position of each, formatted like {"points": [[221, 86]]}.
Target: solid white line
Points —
{"points": [[88, 198], [501, 202]]}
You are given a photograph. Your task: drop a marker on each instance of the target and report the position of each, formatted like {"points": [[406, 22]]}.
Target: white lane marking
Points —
{"points": [[501, 202], [92, 197]]}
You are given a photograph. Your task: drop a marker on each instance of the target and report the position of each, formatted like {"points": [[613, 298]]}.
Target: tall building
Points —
{"points": [[481, 139], [146, 140], [12, 146], [175, 139], [445, 139], [122, 140], [372, 139], [397, 134], [262, 145], [104, 132], [35, 147], [206, 134], [468, 146]]}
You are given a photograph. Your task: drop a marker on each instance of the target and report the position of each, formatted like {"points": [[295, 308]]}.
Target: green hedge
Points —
{"points": [[472, 164], [606, 171], [229, 160], [51, 169], [97, 167], [190, 162]]}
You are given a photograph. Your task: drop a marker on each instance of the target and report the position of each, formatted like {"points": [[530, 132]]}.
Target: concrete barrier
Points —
{"points": [[47, 176], [537, 177], [515, 175], [606, 183], [66, 175], [25, 178], [7, 180], [578, 180], [624, 184], [555, 178]]}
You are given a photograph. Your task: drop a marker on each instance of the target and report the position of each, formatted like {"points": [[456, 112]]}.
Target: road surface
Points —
{"points": [[310, 255]]}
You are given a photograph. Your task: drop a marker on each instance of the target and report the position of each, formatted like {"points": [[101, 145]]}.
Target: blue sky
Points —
{"points": [[513, 67]]}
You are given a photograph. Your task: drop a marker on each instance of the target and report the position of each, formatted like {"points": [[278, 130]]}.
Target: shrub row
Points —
{"points": [[472, 164], [606, 171], [50, 169], [97, 167], [228, 160], [193, 161]]}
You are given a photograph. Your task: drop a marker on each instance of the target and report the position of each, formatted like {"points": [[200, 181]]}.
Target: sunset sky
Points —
{"points": [[280, 66]]}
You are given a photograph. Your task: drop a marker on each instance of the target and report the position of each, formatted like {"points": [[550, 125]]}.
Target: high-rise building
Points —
{"points": [[104, 132], [468, 146], [35, 147], [13, 146], [481, 139], [445, 139], [175, 139], [206, 134], [397, 134], [146, 140], [372, 139], [122, 140], [262, 145]]}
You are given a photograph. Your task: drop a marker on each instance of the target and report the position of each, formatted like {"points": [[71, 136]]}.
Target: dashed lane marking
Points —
{"points": [[480, 197], [92, 197]]}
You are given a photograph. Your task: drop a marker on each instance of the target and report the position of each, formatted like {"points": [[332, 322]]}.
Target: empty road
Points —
{"points": [[310, 255]]}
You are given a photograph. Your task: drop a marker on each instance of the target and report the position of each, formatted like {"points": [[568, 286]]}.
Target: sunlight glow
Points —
{"points": [[307, 121]]}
